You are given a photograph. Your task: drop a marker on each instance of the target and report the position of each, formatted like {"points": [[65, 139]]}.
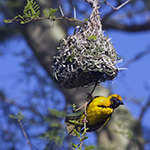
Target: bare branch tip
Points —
{"points": [[116, 8]]}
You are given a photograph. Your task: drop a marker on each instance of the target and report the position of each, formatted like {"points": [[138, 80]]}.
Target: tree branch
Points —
{"points": [[116, 8], [125, 27], [144, 109], [24, 133], [137, 57]]}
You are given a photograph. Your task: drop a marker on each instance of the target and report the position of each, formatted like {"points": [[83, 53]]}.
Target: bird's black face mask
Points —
{"points": [[115, 102]]}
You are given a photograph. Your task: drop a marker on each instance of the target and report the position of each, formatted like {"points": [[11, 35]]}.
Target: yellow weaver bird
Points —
{"points": [[98, 113]]}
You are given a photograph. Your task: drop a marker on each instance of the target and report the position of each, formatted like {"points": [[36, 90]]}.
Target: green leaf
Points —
{"points": [[46, 14], [75, 114], [15, 17], [54, 112], [19, 113], [55, 135], [12, 116], [52, 11], [90, 147], [57, 113], [55, 125], [31, 10], [118, 58], [20, 16], [73, 145], [92, 37], [53, 17], [84, 131], [22, 22], [74, 121], [8, 21], [86, 19], [77, 133], [70, 60], [85, 137], [74, 106], [19, 116]]}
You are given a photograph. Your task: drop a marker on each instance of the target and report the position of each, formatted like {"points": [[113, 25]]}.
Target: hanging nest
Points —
{"points": [[86, 57]]}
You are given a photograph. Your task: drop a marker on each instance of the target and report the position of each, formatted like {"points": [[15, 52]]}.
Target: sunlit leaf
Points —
{"points": [[52, 11], [89, 147], [12, 116], [46, 14]]}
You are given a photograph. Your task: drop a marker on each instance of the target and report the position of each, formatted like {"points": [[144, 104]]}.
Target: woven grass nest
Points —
{"points": [[86, 57]]}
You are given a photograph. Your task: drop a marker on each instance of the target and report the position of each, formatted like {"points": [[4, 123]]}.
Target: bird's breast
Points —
{"points": [[98, 114]]}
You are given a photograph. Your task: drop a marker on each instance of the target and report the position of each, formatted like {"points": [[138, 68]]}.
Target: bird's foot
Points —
{"points": [[84, 121]]}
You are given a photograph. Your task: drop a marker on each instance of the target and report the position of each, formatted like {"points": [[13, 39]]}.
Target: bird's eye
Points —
{"points": [[115, 99]]}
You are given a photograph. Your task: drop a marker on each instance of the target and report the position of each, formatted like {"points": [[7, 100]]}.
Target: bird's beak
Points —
{"points": [[120, 102]]}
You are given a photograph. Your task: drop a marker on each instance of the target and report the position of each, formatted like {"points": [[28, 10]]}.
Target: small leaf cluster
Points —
{"points": [[74, 106], [55, 130], [86, 19], [56, 113], [75, 147], [82, 137], [31, 12], [50, 14], [18, 116]]}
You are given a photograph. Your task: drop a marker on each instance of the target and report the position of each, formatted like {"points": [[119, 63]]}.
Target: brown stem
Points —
{"points": [[96, 83], [49, 18], [24, 133]]}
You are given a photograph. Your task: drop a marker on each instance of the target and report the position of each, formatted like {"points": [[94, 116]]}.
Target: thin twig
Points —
{"points": [[24, 133], [144, 109], [82, 106], [116, 8], [85, 114], [137, 57], [82, 138], [96, 83], [89, 98], [62, 13], [49, 18]]}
